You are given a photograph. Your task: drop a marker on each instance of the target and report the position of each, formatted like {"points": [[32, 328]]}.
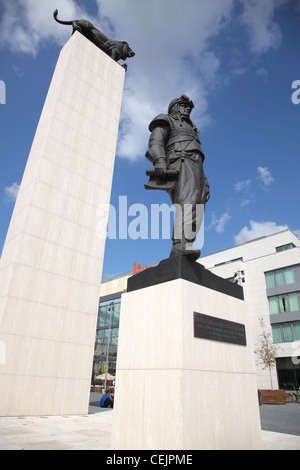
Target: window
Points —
{"points": [[296, 330], [289, 275], [273, 305], [294, 298], [288, 373], [106, 341], [288, 246], [283, 276], [229, 261], [286, 332], [277, 333], [270, 280], [116, 314], [279, 277], [109, 313], [284, 303]]}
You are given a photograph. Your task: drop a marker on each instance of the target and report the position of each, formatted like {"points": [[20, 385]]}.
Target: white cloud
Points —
{"points": [[246, 202], [26, 24], [172, 58], [242, 185], [258, 17], [171, 40], [173, 55], [246, 195], [11, 192], [263, 73], [219, 223], [264, 176], [245, 189], [256, 230]]}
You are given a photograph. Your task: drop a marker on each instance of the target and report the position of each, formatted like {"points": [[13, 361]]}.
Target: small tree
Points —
{"points": [[267, 351]]}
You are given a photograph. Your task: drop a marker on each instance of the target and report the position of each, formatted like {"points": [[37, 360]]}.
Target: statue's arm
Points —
{"points": [[157, 142]]}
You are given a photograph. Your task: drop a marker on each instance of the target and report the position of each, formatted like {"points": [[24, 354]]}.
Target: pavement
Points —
{"points": [[280, 429]]}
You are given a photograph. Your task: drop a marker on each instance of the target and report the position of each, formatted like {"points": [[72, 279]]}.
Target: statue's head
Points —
{"points": [[182, 105]]}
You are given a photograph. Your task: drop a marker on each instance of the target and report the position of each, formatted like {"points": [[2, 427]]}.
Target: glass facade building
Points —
{"points": [[272, 288], [283, 276], [106, 341], [284, 311]]}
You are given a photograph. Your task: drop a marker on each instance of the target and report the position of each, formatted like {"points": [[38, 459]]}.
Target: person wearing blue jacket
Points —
{"points": [[106, 401]]}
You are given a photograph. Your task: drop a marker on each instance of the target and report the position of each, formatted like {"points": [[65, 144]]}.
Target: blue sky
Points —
{"points": [[236, 59]]}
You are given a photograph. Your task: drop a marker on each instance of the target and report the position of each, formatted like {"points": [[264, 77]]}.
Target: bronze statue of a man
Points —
{"points": [[174, 145]]}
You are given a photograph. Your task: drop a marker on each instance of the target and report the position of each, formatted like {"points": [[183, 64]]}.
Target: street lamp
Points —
{"points": [[239, 277]]}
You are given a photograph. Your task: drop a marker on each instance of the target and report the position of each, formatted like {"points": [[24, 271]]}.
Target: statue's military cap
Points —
{"points": [[182, 99], [165, 118]]}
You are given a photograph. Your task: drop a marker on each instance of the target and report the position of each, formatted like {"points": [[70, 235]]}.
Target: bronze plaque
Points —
{"points": [[217, 329]]}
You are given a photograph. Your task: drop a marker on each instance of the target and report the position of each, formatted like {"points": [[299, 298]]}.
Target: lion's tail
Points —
{"points": [[55, 13]]}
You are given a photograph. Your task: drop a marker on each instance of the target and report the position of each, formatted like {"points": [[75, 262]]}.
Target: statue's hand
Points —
{"points": [[161, 168]]}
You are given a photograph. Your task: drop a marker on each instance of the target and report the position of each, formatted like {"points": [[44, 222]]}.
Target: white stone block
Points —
{"points": [[51, 265], [175, 391]]}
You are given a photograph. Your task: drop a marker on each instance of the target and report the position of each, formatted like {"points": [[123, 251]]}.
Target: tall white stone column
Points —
{"points": [[51, 265]]}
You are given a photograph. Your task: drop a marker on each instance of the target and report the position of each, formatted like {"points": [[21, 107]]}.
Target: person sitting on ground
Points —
{"points": [[106, 401]]}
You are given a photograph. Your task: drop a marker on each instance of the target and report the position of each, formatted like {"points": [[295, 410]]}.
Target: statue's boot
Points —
{"points": [[185, 248]]}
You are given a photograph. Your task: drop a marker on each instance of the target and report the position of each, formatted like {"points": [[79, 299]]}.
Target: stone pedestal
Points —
{"points": [[51, 265], [184, 381]]}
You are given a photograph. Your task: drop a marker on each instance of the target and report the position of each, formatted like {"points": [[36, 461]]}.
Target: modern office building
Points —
{"points": [[270, 267], [107, 331], [269, 270]]}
